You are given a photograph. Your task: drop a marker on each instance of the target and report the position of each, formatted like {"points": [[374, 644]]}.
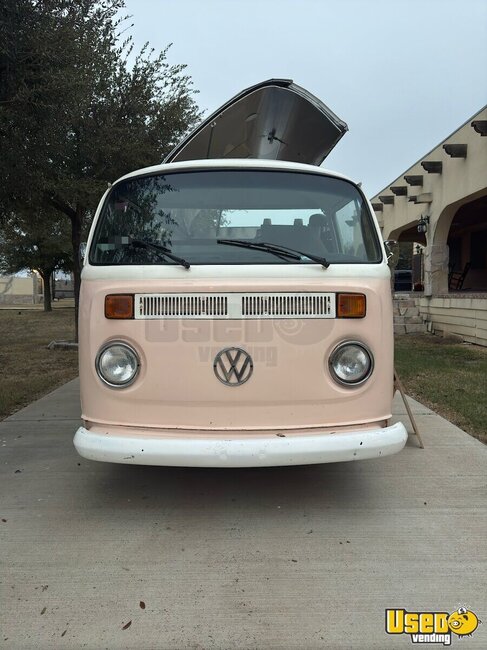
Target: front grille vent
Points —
{"points": [[156, 305], [304, 305], [234, 305]]}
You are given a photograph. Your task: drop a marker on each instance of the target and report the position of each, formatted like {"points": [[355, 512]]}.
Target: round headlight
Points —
{"points": [[351, 363], [117, 364]]}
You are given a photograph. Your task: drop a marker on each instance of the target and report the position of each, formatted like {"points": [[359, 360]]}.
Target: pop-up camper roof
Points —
{"points": [[273, 120]]}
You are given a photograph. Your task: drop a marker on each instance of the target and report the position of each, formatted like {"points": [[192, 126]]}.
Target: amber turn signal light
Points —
{"points": [[350, 305], [119, 305]]}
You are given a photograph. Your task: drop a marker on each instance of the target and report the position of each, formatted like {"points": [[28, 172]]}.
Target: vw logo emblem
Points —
{"points": [[233, 366]]}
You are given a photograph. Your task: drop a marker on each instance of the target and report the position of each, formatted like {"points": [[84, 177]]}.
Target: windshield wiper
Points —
{"points": [[276, 249], [283, 254], [159, 248]]}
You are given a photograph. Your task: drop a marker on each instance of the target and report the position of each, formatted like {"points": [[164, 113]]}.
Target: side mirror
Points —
{"points": [[82, 252], [392, 248]]}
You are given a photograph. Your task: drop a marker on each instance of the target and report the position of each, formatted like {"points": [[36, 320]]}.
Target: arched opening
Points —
{"points": [[409, 268], [467, 246], [408, 233], [458, 233]]}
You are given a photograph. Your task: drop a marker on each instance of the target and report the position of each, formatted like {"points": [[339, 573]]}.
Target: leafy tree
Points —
{"points": [[74, 114], [40, 245]]}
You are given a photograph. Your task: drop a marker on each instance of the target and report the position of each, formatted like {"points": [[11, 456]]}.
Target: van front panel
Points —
{"points": [[291, 384], [235, 275]]}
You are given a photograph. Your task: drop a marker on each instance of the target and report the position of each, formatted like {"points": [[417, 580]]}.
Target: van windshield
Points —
{"points": [[189, 212]]}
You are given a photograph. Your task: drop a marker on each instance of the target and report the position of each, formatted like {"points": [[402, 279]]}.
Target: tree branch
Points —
{"points": [[62, 206]]}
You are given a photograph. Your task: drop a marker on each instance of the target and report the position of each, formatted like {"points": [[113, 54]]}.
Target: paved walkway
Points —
{"points": [[297, 557]]}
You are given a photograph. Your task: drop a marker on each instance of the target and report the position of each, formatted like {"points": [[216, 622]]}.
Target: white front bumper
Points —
{"points": [[258, 451]]}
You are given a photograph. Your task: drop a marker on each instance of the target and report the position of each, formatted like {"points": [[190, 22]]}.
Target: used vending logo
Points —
{"points": [[432, 627]]}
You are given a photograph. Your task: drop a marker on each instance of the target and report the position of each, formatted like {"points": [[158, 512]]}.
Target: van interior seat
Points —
{"points": [[306, 238]]}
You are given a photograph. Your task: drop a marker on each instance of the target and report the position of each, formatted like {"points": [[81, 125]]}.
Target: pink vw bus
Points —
{"points": [[235, 304]]}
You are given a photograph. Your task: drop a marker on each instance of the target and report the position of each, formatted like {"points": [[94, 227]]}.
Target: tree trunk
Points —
{"points": [[76, 224], [76, 217], [46, 288]]}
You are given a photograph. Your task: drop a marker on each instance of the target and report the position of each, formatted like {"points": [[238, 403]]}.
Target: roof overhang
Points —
{"points": [[273, 120]]}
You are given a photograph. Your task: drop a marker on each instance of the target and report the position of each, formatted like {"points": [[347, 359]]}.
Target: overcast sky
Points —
{"points": [[403, 74]]}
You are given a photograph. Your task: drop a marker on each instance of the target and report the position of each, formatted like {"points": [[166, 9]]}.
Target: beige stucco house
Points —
{"points": [[445, 194], [15, 290]]}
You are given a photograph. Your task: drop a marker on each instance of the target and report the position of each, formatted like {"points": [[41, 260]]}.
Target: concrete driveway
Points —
{"points": [[297, 557]]}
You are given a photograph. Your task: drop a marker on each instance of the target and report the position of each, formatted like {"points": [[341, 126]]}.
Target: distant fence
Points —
{"points": [[64, 289]]}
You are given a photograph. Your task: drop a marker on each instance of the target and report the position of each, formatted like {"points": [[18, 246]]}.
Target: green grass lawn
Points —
{"points": [[28, 369], [449, 377]]}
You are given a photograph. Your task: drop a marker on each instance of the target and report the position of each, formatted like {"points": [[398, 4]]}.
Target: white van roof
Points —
{"points": [[234, 163]]}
